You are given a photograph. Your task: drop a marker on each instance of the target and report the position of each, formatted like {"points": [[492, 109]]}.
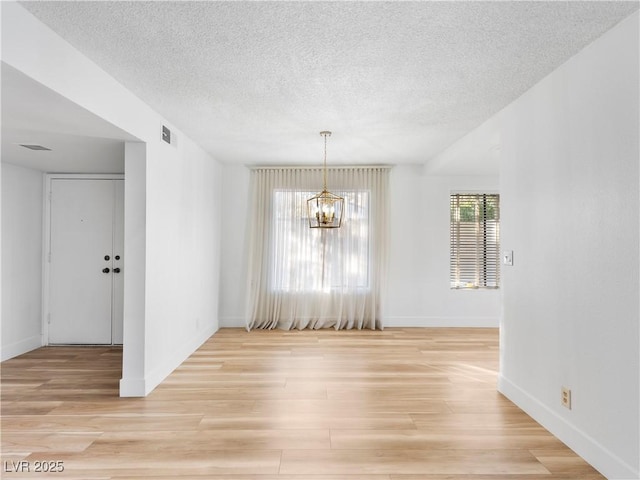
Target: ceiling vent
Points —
{"points": [[166, 134], [35, 147]]}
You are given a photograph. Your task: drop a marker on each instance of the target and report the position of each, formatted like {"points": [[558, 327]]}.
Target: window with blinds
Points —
{"points": [[475, 240]]}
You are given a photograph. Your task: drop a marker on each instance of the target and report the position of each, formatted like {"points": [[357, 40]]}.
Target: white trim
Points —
{"points": [[441, 322], [317, 167], [400, 322], [484, 191], [602, 459], [233, 322], [46, 234], [156, 377], [132, 387], [85, 176], [20, 347]]}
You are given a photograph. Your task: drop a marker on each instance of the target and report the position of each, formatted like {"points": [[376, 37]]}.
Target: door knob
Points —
{"points": [[116, 270], [105, 270]]}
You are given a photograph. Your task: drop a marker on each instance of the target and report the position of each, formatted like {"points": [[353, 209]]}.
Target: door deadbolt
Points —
{"points": [[107, 257], [117, 257]]}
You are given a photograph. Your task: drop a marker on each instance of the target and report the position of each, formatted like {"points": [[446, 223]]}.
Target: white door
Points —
{"points": [[117, 296], [84, 235]]}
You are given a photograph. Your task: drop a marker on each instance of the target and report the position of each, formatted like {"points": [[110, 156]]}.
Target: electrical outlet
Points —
{"points": [[566, 397]]}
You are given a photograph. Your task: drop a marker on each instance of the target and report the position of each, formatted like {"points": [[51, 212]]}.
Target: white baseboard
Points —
{"points": [[134, 387], [233, 322], [18, 348], [603, 460], [478, 322], [493, 322]]}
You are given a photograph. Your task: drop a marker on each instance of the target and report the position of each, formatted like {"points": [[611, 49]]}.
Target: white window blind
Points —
{"points": [[475, 240]]}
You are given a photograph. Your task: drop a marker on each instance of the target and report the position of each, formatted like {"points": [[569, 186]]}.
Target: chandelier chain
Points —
{"points": [[325, 134], [325, 163]]}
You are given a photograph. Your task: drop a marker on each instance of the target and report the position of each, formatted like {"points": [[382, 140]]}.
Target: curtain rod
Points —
{"points": [[315, 167]]}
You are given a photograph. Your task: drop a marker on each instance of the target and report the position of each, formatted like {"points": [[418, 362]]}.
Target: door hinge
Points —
{"points": [[49, 318]]}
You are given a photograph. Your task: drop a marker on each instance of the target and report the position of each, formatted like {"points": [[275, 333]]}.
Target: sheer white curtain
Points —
{"points": [[301, 277]]}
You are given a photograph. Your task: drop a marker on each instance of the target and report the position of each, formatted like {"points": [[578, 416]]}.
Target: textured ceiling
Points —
{"points": [[397, 82]]}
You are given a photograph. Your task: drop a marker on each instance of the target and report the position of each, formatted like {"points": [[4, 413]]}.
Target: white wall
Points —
{"points": [[418, 282], [570, 212], [183, 256], [135, 244], [172, 207], [418, 292], [21, 260], [233, 273]]}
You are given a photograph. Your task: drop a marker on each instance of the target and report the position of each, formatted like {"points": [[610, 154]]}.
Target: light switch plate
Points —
{"points": [[507, 257]]}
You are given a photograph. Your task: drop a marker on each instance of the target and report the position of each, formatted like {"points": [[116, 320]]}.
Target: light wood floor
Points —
{"points": [[401, 404]]}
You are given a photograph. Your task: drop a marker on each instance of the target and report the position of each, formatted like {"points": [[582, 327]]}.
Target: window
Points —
{"points": [[475, 240], [302, 277], [313, 260]]}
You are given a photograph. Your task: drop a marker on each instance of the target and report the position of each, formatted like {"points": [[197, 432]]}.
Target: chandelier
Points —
{"points": [[325, 208]]}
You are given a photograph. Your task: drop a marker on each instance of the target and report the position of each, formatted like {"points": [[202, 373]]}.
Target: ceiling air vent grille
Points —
{"points": [[166, 134]]}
